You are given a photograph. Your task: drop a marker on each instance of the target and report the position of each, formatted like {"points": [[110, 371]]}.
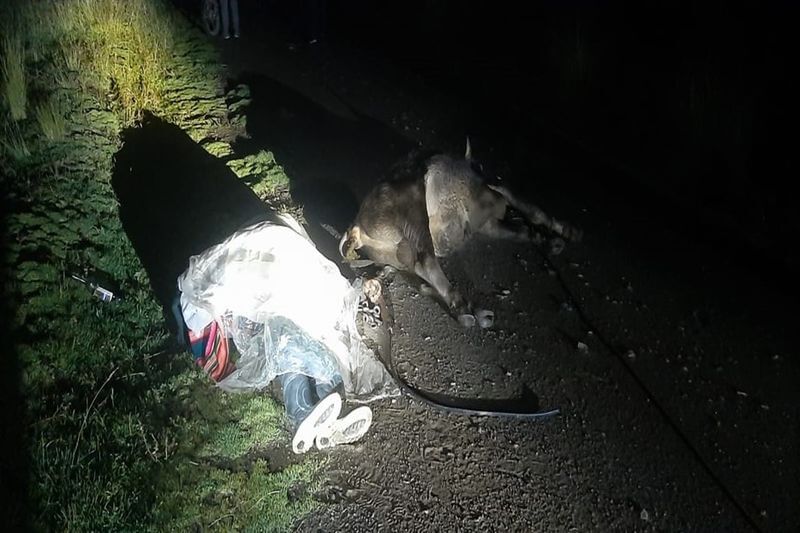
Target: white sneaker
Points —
{"points": [[318, 421], [347, 429]]}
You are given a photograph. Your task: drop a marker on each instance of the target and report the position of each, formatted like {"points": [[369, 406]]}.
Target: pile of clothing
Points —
{"points": [[266, 304]]}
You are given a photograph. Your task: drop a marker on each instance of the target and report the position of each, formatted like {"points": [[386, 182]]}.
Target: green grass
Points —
{"points": [[263, 171], [124, 434], [257, 420], [229, 486], [259, 501], [13, 144], [12, 66], [123, 45], [51, 119]]}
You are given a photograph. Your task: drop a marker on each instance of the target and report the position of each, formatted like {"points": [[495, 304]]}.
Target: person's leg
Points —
{"points": [[297, 396], [235, 15], [347, 429], [324, 388], [181, 333], [308, 417], [302, 354], [311, 406], [317, 20], [223, 8]]}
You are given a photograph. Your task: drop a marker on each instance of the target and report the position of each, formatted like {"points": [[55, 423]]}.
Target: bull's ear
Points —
{"points": [[468, 153]]}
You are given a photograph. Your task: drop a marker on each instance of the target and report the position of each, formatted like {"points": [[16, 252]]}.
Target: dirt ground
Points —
{"points": [[672, 365]]}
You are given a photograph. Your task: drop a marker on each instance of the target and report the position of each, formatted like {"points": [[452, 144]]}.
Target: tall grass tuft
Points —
{"points": [[72, 57], [119, 48], [13, 143], [124, 45], [12, 65], [51, 119]]}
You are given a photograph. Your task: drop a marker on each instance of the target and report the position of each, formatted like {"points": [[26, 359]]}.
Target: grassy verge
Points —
{"points": [[122, 434]]}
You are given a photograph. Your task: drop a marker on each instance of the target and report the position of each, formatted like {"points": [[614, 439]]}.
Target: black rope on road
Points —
{"points": [[650, 396], [524, 407]]}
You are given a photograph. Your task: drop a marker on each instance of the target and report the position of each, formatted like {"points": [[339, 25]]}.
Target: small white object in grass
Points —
{"points": [[583, 347]]}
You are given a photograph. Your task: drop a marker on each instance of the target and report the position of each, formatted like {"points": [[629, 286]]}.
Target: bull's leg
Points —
{"points": [[498, 230], [539, 217], [428, 269]]}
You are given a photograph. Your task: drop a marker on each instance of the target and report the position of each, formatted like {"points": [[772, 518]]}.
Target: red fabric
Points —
{"points": [[211, 351]]}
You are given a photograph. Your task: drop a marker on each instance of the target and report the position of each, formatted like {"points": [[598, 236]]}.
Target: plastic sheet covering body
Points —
{"points": [[286, 308]]}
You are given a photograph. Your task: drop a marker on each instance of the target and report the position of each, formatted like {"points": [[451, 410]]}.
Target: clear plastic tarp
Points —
{"points": [[285, 307]]}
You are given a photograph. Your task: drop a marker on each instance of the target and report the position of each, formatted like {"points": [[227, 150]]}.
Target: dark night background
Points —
{"points": [[688, 104]]}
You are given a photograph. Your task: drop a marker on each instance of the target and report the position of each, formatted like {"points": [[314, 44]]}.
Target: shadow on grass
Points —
{"points": [[176, 200], [15, 460]]}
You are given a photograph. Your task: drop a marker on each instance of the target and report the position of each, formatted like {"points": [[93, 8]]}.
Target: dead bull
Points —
{"points": [[430, 210]]}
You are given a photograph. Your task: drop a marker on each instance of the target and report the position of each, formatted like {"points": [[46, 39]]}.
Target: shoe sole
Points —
{"points": [[318, 421], [348, 429]]}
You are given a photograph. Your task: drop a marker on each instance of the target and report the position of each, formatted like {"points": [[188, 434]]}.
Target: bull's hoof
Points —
{"points": [[467, 320], [575, 234], [556, 246], [427, 290], [485, 318], [372, 290]]}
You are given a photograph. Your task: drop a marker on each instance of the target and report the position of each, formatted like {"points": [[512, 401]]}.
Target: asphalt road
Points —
{"points": [[672, 364]]}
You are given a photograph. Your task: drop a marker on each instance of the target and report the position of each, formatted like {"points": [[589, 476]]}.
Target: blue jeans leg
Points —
{"points": [[297, 396], [324, 388], [235, 16], [301, 393], [223, 9]]}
